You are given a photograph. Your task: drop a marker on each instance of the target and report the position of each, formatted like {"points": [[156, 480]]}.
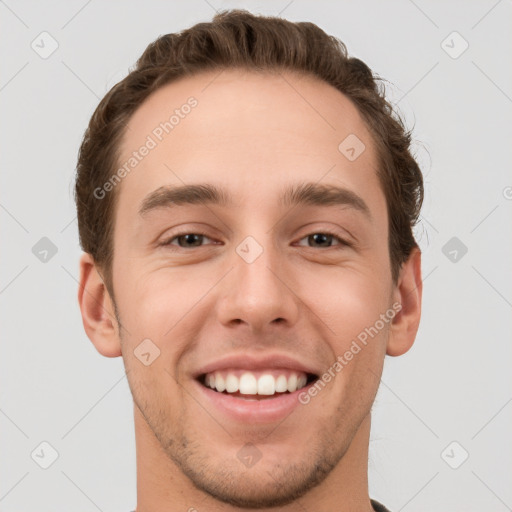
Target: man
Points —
{"points": [[245, 202]]}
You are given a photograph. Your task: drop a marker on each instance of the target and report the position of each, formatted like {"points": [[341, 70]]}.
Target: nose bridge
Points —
{"points": [[256, 294]]}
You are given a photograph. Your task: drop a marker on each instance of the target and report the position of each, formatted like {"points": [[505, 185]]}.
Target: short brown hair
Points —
{"points": [[239, 39]]}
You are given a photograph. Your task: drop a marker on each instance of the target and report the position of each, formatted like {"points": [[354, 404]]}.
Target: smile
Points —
{"points": [[256, 385], [254, 397], [253, 388]]}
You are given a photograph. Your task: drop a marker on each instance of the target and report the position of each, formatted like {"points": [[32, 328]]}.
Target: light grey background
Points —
{"points": [[453, 385]]}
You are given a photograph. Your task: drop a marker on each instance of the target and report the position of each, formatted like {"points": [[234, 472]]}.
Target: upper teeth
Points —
{"points": [[248, 383]]}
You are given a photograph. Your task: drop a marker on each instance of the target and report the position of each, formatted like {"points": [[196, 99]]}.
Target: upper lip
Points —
{"points": [[251, 362]]}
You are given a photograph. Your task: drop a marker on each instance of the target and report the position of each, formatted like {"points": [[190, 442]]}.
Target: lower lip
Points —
{"points": [[266, 410]]}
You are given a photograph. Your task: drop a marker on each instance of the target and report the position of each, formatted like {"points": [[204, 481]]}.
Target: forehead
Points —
{"points": [[249, 132]]}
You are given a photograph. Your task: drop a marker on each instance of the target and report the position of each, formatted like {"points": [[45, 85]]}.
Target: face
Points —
{"points": [[261, 286]]}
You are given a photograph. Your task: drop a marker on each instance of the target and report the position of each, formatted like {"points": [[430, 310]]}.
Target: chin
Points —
{"points": [[270, 482]]}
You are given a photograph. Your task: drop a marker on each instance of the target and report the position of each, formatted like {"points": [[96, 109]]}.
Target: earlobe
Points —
{"points": [[408, 292], [97, 309]]}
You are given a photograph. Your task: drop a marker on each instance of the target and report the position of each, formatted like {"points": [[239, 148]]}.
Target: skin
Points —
{"points": [[252, 134]]}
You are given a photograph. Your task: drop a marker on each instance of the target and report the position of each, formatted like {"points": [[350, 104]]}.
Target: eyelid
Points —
{"points": [[192, 228], [335, 230], [342, 240], [171, 238]]}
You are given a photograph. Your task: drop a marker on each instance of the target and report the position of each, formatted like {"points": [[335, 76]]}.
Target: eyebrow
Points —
{"points": [[300, 194]]}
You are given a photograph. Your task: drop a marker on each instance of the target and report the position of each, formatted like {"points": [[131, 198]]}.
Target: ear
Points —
{"points": [[97, 309], [407, 292]]}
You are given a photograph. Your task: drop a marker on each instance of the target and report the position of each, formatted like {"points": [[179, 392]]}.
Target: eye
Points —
{"points": [[187, 240], [325, 239]]}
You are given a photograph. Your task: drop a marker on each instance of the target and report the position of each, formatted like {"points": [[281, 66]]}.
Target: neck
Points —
{"points": [[162, 487]]}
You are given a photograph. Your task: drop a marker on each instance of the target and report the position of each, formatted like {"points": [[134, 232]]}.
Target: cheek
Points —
{"points": [[146, 303], [346, 300], [349, 303], [160, 306]]}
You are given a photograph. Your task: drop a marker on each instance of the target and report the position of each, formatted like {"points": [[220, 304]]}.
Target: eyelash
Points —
{"points": [[342, 242]]}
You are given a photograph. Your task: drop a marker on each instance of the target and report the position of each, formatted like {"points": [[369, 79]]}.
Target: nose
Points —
{"points": [[258, 293]]}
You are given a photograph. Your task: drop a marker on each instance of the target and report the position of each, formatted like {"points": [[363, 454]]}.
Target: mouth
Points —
{"points": [[256, 385], [252, 389], [256, 398]]}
